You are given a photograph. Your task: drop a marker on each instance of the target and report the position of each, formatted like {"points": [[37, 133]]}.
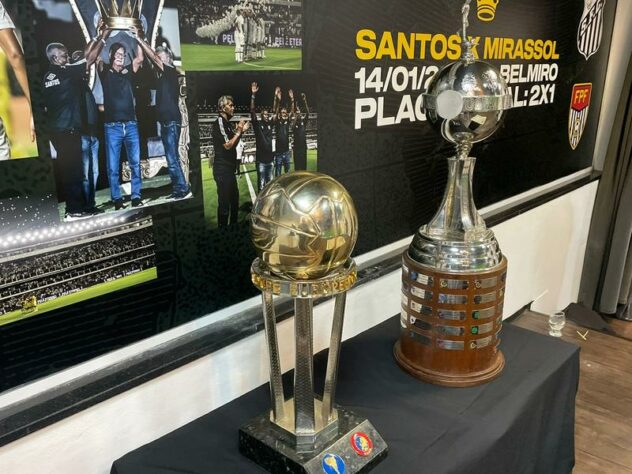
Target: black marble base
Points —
{"points": [[273, 448]]}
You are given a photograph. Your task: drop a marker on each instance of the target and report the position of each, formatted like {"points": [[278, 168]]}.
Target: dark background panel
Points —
{"points": [[395, 174]]}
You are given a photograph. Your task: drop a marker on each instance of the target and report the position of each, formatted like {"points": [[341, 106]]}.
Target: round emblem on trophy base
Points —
{"points": [[361, 444]]}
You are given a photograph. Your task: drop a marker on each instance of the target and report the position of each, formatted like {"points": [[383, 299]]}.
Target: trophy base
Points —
{"points": [[274, 449], [451, 323], [446, 379]]}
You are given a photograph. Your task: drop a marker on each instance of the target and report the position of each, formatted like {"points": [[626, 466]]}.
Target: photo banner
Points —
{"points": [[88, 14]]}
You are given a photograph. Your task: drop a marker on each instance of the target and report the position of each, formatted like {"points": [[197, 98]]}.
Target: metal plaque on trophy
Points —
{"points": [[453, 279], [304, 227]]}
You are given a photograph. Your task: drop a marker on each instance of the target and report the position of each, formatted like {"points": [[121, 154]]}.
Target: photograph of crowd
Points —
{"points": [[114, 103], [45, 264], [250, 132], [232, 35], [17, 130]]}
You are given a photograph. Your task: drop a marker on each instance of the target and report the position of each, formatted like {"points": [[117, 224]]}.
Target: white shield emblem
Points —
{"points": [[590, 27], [578, 113]]}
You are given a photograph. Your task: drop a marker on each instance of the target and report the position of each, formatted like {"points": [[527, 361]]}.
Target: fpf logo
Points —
{"points": [[578, 113]]}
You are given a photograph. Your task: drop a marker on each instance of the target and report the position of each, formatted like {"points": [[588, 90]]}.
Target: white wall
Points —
{"points": [[545, 248]]}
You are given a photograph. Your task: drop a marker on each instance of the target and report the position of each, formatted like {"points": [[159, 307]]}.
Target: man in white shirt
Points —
{"points": [[239, 37]]}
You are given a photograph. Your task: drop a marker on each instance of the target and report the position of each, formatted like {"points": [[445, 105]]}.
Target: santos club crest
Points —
{"points": [[578, 113], [590, 27]]}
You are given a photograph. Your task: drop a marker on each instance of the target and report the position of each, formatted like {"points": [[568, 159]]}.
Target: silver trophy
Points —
{"points": [[304, 227], [454, 272]]}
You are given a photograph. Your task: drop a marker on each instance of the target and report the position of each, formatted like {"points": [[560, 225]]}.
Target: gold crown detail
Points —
{"points": [[121, 17], [486, 9]]}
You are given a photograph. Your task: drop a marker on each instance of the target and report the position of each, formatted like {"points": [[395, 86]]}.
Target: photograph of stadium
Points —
{"points": [[45, 265], [251, 130], [246, 35], [115, 106], [17, 129]]}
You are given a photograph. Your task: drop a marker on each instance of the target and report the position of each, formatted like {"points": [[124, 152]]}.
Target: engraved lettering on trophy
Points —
{"points": [[419, 293], [450, 314]]}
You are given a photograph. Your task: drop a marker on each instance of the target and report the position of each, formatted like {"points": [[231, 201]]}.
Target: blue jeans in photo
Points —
{"points": [[90, 156], [265, 174], [118, 134], [281, 160], [170, 134]]}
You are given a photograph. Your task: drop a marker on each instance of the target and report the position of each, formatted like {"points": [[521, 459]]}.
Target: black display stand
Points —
{"points": [[521, 422]]}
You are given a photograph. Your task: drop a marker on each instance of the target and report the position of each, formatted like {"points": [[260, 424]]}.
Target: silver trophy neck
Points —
{"points": [[457, 239]]}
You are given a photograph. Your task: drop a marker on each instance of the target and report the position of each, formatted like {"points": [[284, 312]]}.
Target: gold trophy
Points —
{"points": [[121, 16], [304, 227]]}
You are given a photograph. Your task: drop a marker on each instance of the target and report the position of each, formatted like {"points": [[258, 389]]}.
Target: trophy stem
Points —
{"points": [[333, 358], [304, 416], [458, 218], [276, 384]]}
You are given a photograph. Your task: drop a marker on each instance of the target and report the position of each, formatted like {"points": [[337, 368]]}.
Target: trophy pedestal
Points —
{"points": [[448, 379], [450, 324], [275, 448], [308, 433]]}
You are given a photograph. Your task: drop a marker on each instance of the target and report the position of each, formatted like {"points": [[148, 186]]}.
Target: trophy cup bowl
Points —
{"points": [[304, 227], [453, 273], [466, 101]]}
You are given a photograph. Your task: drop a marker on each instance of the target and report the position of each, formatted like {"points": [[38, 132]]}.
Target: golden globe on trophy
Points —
{"points": [[304, 227], [453, 279], [121, 14]]}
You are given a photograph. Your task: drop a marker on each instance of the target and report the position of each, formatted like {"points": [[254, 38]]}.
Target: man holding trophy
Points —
{"points": [[167, 110], [121, 127]]}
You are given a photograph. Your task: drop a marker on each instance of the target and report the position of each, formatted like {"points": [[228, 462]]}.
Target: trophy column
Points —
{"points": [[306, 432]]}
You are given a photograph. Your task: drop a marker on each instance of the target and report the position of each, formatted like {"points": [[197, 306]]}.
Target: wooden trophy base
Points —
{"points": [[451, 323], [447, 379]]}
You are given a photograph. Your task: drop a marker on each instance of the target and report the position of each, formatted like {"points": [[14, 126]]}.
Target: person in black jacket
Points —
{"points": [[299, 133], [64, 88], [263, 140], [225, 139], [167, 111], [89, 140], [281, 120]]}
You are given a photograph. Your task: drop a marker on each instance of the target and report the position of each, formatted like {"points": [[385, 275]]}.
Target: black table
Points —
{"points": [[522, 422]]}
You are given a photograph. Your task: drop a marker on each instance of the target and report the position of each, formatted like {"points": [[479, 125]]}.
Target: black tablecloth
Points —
{"points": [[522, 422]]}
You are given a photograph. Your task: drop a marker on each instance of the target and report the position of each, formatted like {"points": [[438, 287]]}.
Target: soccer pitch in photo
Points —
{"points": [[82, 295], [210, 57], [247, 183]]}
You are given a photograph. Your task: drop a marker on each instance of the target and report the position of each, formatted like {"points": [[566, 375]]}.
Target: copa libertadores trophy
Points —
{"points": [[304, 227], [453, 277]]}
